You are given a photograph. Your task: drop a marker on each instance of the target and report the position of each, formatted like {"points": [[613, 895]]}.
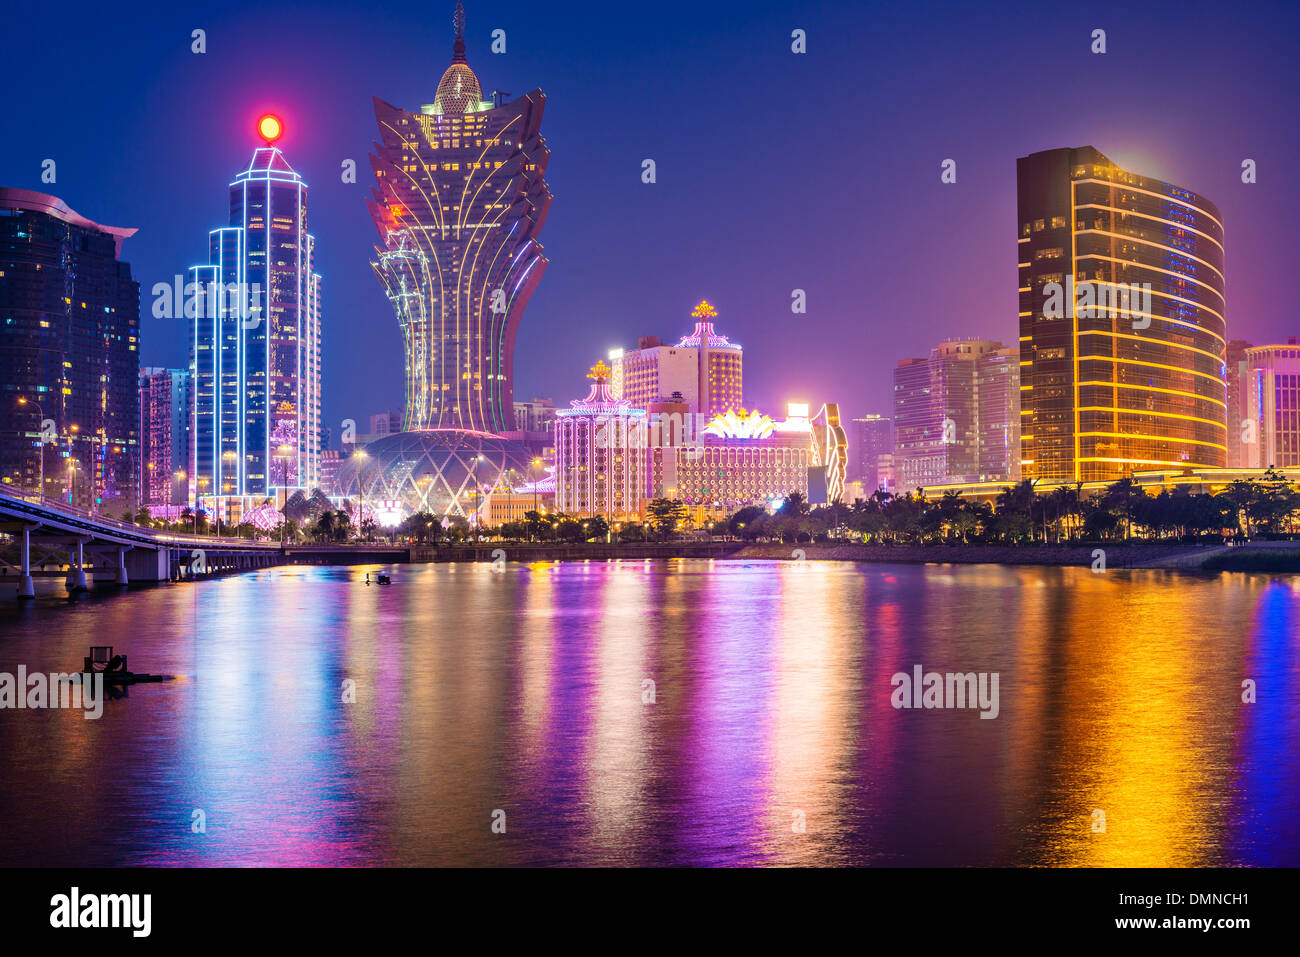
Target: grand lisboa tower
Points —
{"points": [[459, 200]]}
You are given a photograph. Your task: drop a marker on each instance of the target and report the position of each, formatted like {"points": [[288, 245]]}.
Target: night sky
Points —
{"points": [[776, 171]]}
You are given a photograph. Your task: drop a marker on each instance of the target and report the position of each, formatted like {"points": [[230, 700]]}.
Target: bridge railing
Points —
{"points": [[45, 503]]}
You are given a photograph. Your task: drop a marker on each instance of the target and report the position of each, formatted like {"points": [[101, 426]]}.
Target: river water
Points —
{"points": [[663, 713]]}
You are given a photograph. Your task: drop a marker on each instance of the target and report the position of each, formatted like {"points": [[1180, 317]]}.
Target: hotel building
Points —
{"points": [[1272, 401], [873, 436], [255, 345], [1105, 393], [459, 201], [956, 414], [600, 453], [164, 436], [704, 368], [69, 353], [736, 461], [1237, 413]]}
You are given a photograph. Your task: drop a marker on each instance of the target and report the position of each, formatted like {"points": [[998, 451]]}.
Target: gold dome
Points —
{"points": [[458, 90]]}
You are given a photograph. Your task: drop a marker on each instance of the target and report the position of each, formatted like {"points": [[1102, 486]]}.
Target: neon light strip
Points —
{"points": [[1159, 219], [1147, 242], [1163, 415], [1161, 196]]}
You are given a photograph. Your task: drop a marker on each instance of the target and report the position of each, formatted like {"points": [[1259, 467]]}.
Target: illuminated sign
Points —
{"points": [[270, 128]]}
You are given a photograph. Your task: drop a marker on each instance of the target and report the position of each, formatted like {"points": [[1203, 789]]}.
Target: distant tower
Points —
{"points": [[255, 348], [459, 200]]}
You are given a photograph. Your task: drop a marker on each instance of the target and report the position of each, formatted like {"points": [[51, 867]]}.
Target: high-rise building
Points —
{"points": [[872, 436], [535, 416], [1272, 400], [1237, 413], [459, 201], [164, 436], [954, 415], [997, 385], [69, 353], [705, 368], [255, 343], [385, 423], [600, 453], [1122, 329]]}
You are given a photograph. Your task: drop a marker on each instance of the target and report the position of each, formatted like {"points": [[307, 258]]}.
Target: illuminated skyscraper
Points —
{"points": [[69, 352], [164, 436], [1237, 372], [459, 202], [1109, 391], [954, 415], [705, 368], [1272, 401], [873, 436], [255, 342]]}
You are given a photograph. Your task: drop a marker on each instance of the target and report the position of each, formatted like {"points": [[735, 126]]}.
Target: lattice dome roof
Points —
{"points": [[458, 90]]}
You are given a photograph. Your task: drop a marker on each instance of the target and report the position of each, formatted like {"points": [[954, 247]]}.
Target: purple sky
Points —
{"points": [[776, 171]]}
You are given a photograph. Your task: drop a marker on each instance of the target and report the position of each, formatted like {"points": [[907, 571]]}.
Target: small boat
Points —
{"points": [[102, 661], [383, 579]]}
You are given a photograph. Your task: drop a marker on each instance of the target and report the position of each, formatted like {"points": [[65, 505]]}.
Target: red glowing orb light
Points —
{"points": [[270, 128]]}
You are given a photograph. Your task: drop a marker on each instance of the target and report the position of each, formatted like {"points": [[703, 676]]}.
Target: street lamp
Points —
{"points": [[478, 495], [282, 453], [228, 466], [22, 400], [536, 462], [72, 473], [361, 457], [94, 490], [180, 476]]}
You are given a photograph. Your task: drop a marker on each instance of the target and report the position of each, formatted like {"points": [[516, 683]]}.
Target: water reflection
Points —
{"points": [[684, 712]]}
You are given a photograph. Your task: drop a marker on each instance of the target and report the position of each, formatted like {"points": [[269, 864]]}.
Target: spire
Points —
{"points": [[458, 90], [458, 51]]}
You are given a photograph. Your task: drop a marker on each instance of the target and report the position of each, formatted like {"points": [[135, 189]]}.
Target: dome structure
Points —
{"points": [[458, 90], [434, 470]]}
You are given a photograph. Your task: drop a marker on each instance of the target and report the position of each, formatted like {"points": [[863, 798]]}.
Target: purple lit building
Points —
{"points": [[459, 201], [164, 436]]}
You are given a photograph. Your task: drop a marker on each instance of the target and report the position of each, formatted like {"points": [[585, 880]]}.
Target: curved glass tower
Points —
{"points": [[459, 201], [1109, 391]]}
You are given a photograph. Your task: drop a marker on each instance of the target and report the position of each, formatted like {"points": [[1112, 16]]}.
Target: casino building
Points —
{"points": [[459, 201], [1105, 394]]}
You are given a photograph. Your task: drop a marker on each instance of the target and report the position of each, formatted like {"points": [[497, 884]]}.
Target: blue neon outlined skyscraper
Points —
{"points": [[255, 347]]}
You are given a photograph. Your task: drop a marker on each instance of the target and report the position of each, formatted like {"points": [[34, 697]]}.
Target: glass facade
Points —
{"points": [[1130, 374], [459, 202], [955, 415], [69, 347], [1272, 401], [255, 343]]}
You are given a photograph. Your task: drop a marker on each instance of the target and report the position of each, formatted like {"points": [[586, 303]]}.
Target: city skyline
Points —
{"points": [[610, 298], [860, 545]]}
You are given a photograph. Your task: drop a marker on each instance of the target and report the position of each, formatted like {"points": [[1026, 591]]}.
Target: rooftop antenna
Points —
{"points": [[458, 21]]}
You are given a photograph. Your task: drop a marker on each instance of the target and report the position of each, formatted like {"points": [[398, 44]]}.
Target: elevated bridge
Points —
{"points": [[125, 551]]}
